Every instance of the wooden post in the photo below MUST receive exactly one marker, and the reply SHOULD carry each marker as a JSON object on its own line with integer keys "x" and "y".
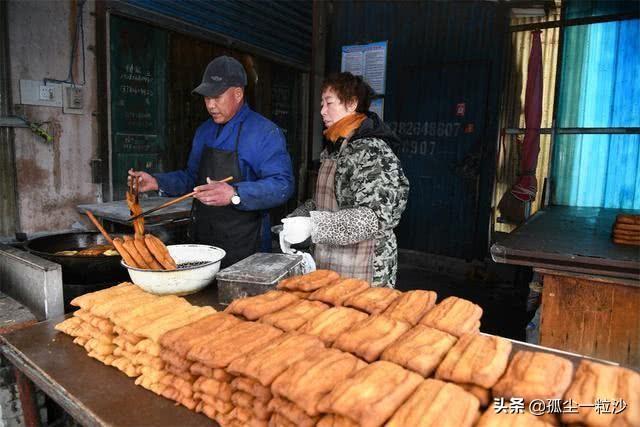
{"x": 27, "y": 395}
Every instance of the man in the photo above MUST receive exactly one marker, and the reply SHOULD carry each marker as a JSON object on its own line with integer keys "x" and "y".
{"x": 236, "y": 142}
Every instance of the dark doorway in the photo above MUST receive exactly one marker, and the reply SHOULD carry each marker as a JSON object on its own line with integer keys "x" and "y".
{"x": 174, "y": 63}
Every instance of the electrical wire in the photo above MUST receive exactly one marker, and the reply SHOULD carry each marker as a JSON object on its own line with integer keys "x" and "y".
{"x": 39, "y": 127}
{"x": 74, "y": 47}
{"x": 84, "y": 78}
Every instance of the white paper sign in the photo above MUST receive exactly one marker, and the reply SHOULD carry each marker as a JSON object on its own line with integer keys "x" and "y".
{"x": 353, "y": 60}
{"x": 368, "y": 61}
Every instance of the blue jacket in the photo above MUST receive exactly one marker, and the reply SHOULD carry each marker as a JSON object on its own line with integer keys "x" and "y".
{"x": 264, "y": 163}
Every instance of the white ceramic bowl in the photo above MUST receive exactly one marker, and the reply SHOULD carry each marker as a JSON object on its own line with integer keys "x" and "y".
{"x": 185, "y": 280}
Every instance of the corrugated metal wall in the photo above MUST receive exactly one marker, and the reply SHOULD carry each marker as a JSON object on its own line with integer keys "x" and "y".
{"x": 282, "y": 27}
{"x": 440, "y": 54}
{"x": 512, "y": 114}
{"x": 600, "y": 87}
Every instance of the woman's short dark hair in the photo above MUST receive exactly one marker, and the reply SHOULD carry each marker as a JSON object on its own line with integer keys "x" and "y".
{"x": 347, "y": 87}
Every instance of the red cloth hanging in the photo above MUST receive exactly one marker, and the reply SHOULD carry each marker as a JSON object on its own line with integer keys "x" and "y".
{"x": 526, "y": 187}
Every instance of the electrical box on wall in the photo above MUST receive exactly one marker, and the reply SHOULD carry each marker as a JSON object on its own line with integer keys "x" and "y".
{"x": 73, "y": 99}
{"x": 68, "y": 96}
{"x": 36, "y": 92}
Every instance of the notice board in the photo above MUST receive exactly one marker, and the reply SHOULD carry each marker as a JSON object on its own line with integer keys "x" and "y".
{"x": 138, "y": 70}
{"x": 368, "y": 61}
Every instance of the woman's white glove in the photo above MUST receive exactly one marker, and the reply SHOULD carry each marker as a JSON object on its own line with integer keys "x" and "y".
{"x": 308, "y": 264}
{"x": 296, "y": 229}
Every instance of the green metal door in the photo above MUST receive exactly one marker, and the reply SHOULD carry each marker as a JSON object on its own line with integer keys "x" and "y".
{"x": 138, "y": 65}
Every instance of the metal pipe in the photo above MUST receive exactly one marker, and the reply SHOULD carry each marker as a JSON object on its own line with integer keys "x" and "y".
{"x": 554, "y": 120}
{"x": 318, "y": 64}
{"x": 573, "y": 22}
{"x": 102, "y": 113}
{"x": 5, "y": 81}
{"x": 577, "y": 131}
{"x": 9, "y": 220}
{"x": 12, "y": 122}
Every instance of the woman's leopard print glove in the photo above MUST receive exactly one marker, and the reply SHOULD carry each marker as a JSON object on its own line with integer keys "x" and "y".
{"x": 343, "y": 227}
{"x": 304, "y": 209}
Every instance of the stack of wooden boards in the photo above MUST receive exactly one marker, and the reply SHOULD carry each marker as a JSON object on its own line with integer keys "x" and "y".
{"x": 626, "y": 230}
{"x": 330, "y": 351}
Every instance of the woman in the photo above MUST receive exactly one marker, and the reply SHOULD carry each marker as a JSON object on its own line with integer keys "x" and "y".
{"x": 361, "y": 190}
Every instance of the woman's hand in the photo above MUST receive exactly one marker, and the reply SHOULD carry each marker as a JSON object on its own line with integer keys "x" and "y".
{"x": 146, "y": 182}
{"x": 214, "y": 193}
{"x": 296, "y": 229}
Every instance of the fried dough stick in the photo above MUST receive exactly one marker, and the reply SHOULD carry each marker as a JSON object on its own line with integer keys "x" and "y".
{"x": 134, "y": 206}
{"x": 124, "y": 253}
{"x": 160, "y": 252}
{"x": 130, "y": 246}
{"x": 141, "y": 245}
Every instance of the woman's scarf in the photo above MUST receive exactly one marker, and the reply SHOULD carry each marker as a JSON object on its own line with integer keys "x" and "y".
{"x": 344, "y": 127}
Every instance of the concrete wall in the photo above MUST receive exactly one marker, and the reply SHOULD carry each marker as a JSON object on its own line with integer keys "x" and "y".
{"x": 52, "y": 177}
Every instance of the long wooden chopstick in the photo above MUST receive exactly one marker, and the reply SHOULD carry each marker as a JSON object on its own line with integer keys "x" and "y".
{"x": 173, "y": 202}
{"x": 99, "y": 226}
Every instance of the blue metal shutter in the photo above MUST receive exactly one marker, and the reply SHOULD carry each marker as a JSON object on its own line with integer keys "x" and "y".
{"x": 440, "y": 54}
{"x": 282, "y": 27}
{"x": 599, "y": 88}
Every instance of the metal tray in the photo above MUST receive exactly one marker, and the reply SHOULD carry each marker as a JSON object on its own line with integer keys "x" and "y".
{"x": 256, "y": 275}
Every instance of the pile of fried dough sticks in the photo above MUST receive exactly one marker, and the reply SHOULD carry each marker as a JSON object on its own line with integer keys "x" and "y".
{"x": 330, "y": 351}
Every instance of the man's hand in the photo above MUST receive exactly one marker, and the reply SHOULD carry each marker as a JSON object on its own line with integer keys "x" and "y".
{"x": 146, "y": 182}
{"x": 214, "y": 193}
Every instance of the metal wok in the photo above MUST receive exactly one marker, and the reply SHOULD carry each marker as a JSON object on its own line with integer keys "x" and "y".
{"x": 79, "y": 270}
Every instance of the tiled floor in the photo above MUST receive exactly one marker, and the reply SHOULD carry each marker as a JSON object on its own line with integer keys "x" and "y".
{"x": 503, "y": 303}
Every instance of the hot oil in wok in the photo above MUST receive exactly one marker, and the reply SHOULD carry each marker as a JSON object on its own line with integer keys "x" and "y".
{"x": 94, "y": 250}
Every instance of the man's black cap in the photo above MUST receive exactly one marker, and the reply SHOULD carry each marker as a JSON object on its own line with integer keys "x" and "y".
{"x": 221, "y": 74}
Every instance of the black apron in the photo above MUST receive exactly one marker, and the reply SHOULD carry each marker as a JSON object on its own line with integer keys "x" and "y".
{"x": 235, "y": 231}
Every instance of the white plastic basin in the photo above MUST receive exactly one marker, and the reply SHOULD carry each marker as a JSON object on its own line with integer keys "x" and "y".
{"x": 186, "y": 279}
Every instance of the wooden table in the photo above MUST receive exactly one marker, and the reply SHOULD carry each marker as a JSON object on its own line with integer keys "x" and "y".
{"x": 92, "y": 393}
{"x": 591, "y": 286}
{"x": 98, "y": 395}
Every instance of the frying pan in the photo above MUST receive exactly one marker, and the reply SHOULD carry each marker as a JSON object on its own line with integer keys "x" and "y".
{"x": 79, "y": 269}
